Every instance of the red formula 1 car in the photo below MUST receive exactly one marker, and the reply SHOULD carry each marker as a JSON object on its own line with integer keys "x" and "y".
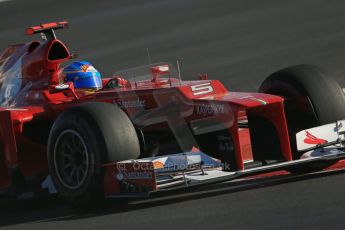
{"x": 147, "y": 130}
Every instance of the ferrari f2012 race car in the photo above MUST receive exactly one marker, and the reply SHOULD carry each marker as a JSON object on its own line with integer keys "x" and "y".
{"x": 156, "y": 132}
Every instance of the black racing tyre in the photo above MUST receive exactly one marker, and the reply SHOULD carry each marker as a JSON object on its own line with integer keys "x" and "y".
{"x": 81, "y": 140}
{"x": 312, "y": 98}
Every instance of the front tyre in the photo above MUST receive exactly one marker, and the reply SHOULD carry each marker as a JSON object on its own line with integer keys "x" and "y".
{"x": 311, "y": 98}
{"x": 81, "y": 140}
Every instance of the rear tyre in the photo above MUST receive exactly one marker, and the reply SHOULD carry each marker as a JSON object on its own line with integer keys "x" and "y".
{"x": 312, "y": 98}
{"x": 80, "y": 141}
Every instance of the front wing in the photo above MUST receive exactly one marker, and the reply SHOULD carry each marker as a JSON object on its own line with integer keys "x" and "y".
{"x": 140, "y": 178}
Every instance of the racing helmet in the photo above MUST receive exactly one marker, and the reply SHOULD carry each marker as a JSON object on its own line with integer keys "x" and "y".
{"x": 83, "y": 75}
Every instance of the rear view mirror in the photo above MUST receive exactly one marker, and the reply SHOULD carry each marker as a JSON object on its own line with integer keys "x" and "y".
{"x": 61, "y": 87}
{"x": 64, "y": 87}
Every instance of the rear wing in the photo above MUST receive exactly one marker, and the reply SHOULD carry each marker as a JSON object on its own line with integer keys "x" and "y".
{"x": 321, "y": 136}
{"x": 47, "y": 30}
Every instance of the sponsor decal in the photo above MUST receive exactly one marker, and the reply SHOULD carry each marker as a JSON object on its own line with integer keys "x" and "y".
{"x": 312, "y": 140}
{"x": 84, "y": 68}
{"x": 119, "y": 176}
{"x": 195, "y": 150}
{"x": 126, "y": 175}
{"x": 11, "y": 83}
{"x": 131, "y": 104}
{"x": 259, "y": 100}
{"x": 250, "y": 97}
{"x": 208, "y": 109}
{"x": 158, "y": 165}
{"x": 202, "y": 89}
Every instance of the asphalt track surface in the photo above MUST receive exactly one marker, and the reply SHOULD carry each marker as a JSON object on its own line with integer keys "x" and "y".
{"x": 238, "y": 42}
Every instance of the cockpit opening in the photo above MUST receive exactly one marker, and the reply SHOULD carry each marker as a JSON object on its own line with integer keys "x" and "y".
{"x": 57, "y": 52}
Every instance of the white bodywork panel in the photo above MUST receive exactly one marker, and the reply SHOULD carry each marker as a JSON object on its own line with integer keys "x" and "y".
{"x": 321, "y": 135}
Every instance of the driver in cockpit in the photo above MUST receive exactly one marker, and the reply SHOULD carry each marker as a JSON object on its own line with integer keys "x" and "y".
{"x": 84, "y": 76}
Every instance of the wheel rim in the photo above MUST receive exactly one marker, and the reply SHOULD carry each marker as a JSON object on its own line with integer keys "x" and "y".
{"x": 71, "y": 159}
